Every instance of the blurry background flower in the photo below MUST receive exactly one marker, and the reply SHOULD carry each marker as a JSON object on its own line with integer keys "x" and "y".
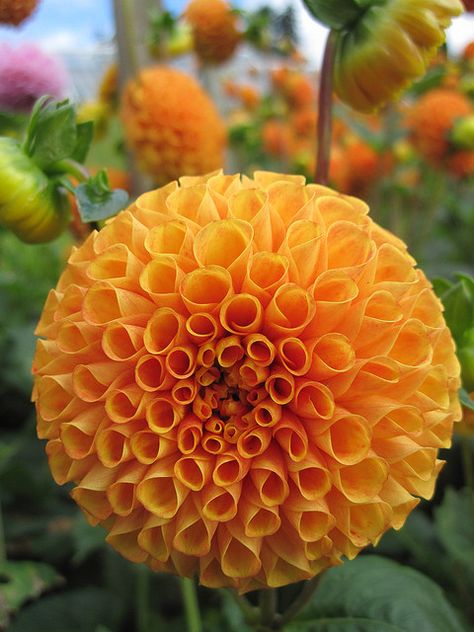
{"x": 214, "y": 28}
{"x": 171, "y": 125}
{"x": 246, "y": 379}
{"x": 27, "y": 73}
{"x": 14, "y": 12}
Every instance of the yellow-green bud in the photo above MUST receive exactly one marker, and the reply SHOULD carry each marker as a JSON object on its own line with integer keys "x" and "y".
{"x": 462, "y": 135}
{"x": 30, "y": 204}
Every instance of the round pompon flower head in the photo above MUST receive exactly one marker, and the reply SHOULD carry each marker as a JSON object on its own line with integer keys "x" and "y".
{"x": 214, "y": 28}
{"x": 14, "y": 12}
{"x": 172, "y": 125}
{"x": 246, "y": 379}
{"x": 27, "y": 73}
{"x": 382, "y": 46}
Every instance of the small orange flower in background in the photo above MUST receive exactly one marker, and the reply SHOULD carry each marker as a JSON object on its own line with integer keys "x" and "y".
{"x": 277, "y": 138}
{"x": 294, "y": 86}
{"x": 14, "y": 12}
{"x": 172, "y": 125}
{"x": 214, "y": 27}
{"x": 246, "y": 379}
{"x": 247, "y": 94}
{"x": 468, "y": 52}
{"x": 431, "y": 120}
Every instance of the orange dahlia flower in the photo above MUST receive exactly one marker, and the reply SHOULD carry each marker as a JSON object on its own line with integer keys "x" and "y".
{"x": 171, "y": 124}
{"x": 294, "y": 86}
{"x": 277, "y": 138}
{"x": 432, "y": 118}
{"x": 15, "y": 11}
{"x": 245, "y": 379}
{"x": 214, "y": 27}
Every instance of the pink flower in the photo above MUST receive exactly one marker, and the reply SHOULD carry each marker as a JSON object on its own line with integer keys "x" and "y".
{"x": 26, "y": 73}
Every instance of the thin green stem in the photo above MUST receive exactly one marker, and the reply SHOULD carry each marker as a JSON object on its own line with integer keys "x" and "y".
{"x": 251, "y": 613}
{"x": 191, "y": 605}
{"x": 325, "y": 102}
{"x": 72, "y": 168}
{"x": 3, "y": 546}
{"x": 130, "y": 34}
{"x": 143, "y": 598}
{"x": 268, "y": 607}
{"x": 301, "y": 601}
{"x": 468, "y": 462}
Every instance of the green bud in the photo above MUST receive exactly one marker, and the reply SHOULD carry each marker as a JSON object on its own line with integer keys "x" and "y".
{"x": 462, "y": 135}
{"x": 31, "y": 205}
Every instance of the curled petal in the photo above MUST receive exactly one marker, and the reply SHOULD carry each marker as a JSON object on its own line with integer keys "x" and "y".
{"x": 219, "y": 503}
{"x": 76, "y": 337}
{"x": 362, "y": 481}
{"x": 289, "y": 312}
{"x": 205, "y": 289}
{"x": 253, "y": 374}
{"x": 163, "y": 330}
{"x": 254, "y": 442}
{"x": 156, "y": 537}
{"x": 269, "y": 476}
{"x": 122, "y": 493}
{"x": 267, "y": 413}
{"x": 203, "y": 328}
{"x": 206, "y": 355}
{"x": 291, "y": 435}
{"x": 266, "y": 272}
{"x": 92, "y": 382}
{"x": 304, "y": 248}
{"x": 152, "y": 373}
{"x": 310, "y": 476}
{"x": 311, "y": 526}
{"x": 160, "y": 492}
{"x": 181, "y": 361}
{"x": 334, "y": 292}
{"x": 149, "y": 446}
{"x": 214, "y": 444}
{"x": 122, "y": 341}
{"x": 113, "y": 443}
{"x": 126, "y": 403}
{"x": 241, "y": 314}
{"x": 230, "y": 468}
{"x": 229, "y": 350}
{"x": 331, "y": 355}
{"x": 104, "y": 303}
{"x": 347, "y": 440}
{"x": 240, "y": 555}
{"x": 193, "y": 534}
{"x": 293, "y": 355}
{"x": 184, "y": 391}
{"x": 162, "y": 414}
{"x": 259, "y": 520}
{"x": 226, "y": 243}
{"x": 195, "y": 471}
{"x": 118, "y": 265}
{"x": 123, "y": 536}
{"x": 312, "y": 400}
{"x": 173, "y": 237}
{"x": 259, "y": 349}
{"x": 280, "y": 386}
{"x": 78, "y": 435}
{"x": 161, "y": 279}
{"x": 189, "y": 434}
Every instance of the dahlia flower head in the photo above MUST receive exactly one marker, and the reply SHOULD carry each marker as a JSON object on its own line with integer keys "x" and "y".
{"x": 172, "y": 125}
{"x": 27, "y": 73}
{"x": 14, "y": 12}
{"x": 431, "y": 121}
{"x": 214, "y": 28}
{"x": 246, "y": 379}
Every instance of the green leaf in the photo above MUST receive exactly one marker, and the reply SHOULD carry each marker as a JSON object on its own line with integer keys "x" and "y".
{"x": 81, "y": 610}
{"x": 96, "y": 201}
{"x": 87, "y": 539}
{"x": 334, "y": 13}
{"x": 21, "y": 581}
{"x": 85, "y": 133}
{"x": 374, "y": 594}
{"x": 454, "y": 519}
{"x": 52, "y": 135}
{"x": 465, "y": 400}
{"x": 458, "y": 304}
{"x": 441, "y": 286}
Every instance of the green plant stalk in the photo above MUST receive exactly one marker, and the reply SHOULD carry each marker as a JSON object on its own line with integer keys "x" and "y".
{"x": 142, "y": 596}
{"x": 301, "y": 601}
{"x": 3, "y": 546}
{"x": 467, "y": 463}
{"x": 251, "y": 613}
{"x": 325, "y": 103}
{"x": 191, "y": 605}
{"x": 129, "y": 26}
{"x": 268, "y": 607}
{"x": 72, "y": 168}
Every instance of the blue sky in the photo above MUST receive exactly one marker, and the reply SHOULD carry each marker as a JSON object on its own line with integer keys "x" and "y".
{"x": 67, "y": 25}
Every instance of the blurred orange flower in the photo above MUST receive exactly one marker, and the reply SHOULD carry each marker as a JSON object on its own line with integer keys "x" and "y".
{"x": 215, "y": 32}
{"x": 295, "y": 87}
{"x": 245, "y": 93}
{"x": 277, "y": 138}
{"x": 15, "y": 11}
{"x": 171, "y": 124}
{"x": 468, "y": 52}
{"x": 245, "y": 379}
{"x": 430, "y": 121}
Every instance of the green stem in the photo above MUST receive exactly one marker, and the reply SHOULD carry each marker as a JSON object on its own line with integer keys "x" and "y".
{"x": 468, "y": 462}
{"x": 251, "y": 613}
{"x": 3, "y": 546}
{"x": 325, "y": 103}
{"x": 143, "y": 598}
{"x": 130, "y": 33}
{"x": 301, "y": 601}
{"x": 268, "y": 607}
{"x": 72, "y": 168}
{"x": 191, "y": 605}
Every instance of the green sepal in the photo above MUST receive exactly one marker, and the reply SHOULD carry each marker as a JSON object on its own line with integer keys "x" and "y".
{"x": 53, "y": 134}
{"x": 339, "y": 14}
{"x": 458, "y": 303}
{"x": 97, "y": 201}
{"x": 85, "y": 133}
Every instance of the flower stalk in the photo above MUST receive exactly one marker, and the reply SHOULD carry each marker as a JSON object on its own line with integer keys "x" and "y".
{"x": 268, "y": 608}
{"x": 143, "y": 598}
{"x": 325, "y": 103}
{"x": 191, "y": 605}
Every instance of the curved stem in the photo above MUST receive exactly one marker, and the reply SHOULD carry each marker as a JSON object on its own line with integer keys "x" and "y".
{"x": 301, "y": 601}
{"x": 251, "y": 613}
{"x": 191, "y": 605}
{"x": 268, "y": 606}
{"x": 72, "y": 168}
{"x": 325, "y": 111}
